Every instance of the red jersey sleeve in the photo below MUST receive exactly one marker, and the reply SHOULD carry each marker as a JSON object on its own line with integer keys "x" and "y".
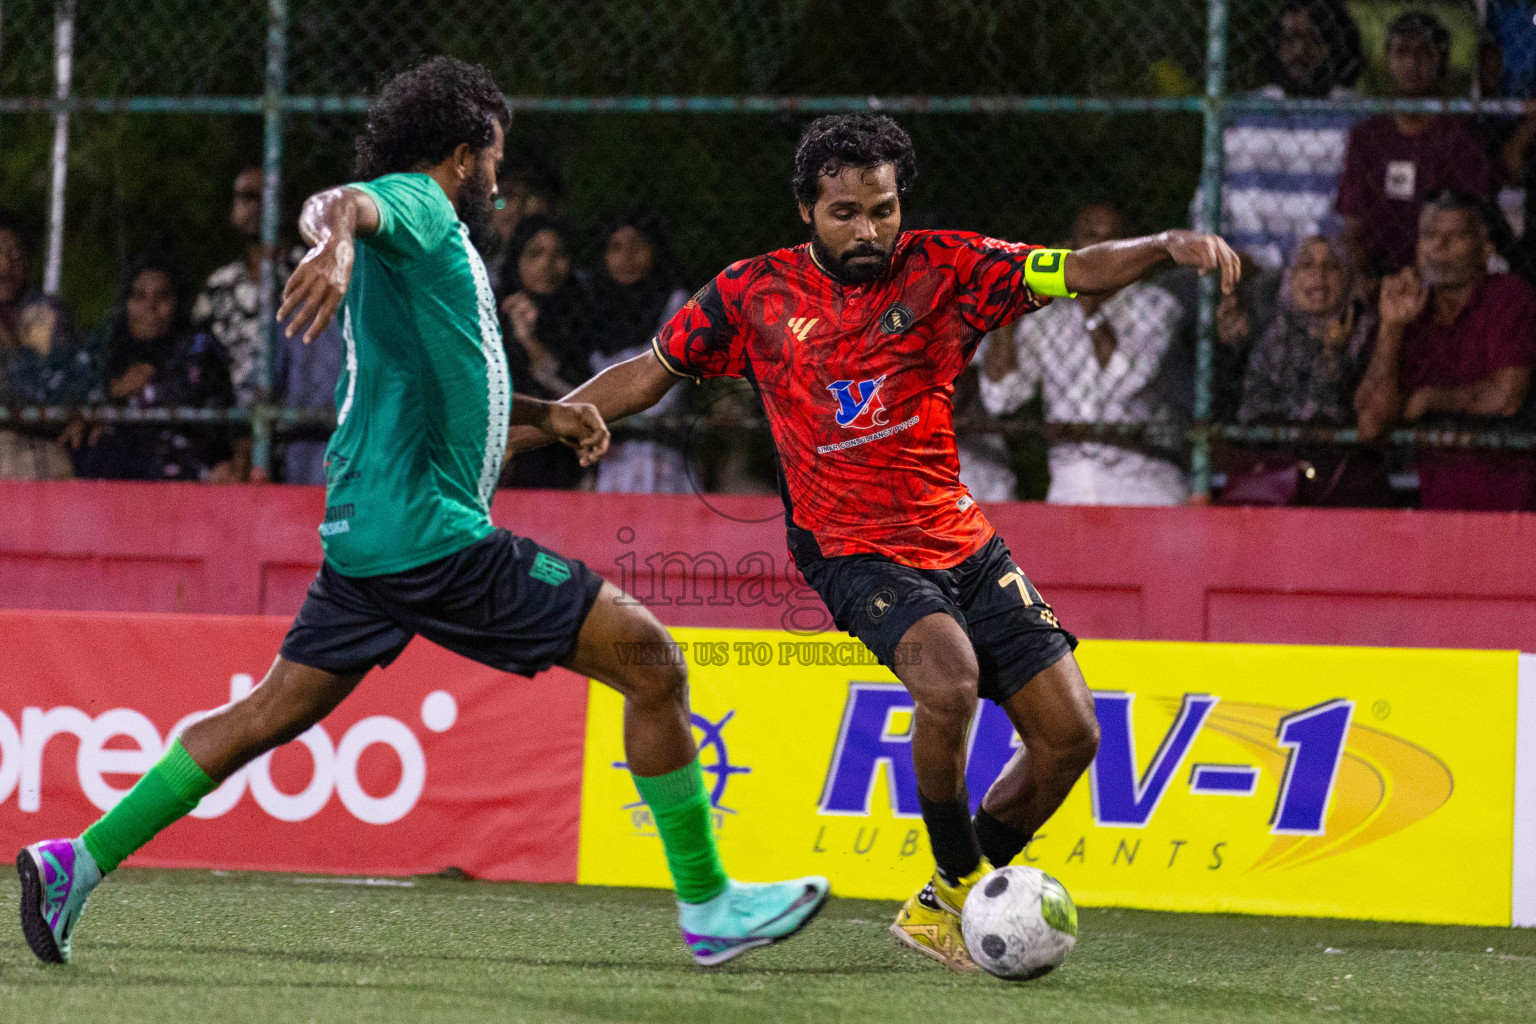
{"x": 990, "y": 273}
{"x": 703, "y": 339}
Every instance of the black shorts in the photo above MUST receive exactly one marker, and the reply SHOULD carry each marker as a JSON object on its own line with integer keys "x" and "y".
{"x": 503, "y": 601}
{"x": 1013, "y": 631}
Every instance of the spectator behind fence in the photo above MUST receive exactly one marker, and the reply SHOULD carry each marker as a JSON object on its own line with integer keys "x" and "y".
{"x": 305, "y": 378}
{"x": 1395, "y": 160}
{"x": 229, "y": 307}
{"x": 153, "y": 360}
{"x": 41, "y": 363}
{"x": 635, "y": 291}
{"x": 1455, "y": 348}
{"x": 525, "y": 187}
{"x": 547, "y": 332}
{"x": 1282, "y": 168}
{"x": 1304, "y": 369}
{"x": 1511, "y": 26}
{"x": 1095, "y": 359}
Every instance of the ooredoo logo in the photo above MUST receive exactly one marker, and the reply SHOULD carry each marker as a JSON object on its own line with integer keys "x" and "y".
{"x": 335, "y": 770}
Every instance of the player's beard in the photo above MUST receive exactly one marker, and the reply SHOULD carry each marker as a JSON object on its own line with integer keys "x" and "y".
{"x": 853, "y": 274}
{"x": 475, "y": 210}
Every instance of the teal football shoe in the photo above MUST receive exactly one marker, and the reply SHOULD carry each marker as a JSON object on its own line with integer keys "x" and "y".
{"x": 56, "y": 877}
{"x": 748, "y": 915}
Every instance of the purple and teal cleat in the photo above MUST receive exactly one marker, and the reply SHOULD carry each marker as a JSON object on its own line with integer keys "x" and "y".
{"x": 56, "y": 877}
{"x": 748, "y": 915}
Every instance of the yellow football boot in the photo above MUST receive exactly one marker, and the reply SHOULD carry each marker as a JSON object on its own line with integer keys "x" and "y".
{"x": 929, "y": 922}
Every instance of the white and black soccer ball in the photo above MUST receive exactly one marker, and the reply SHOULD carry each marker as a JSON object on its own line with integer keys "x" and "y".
{"x": 1019, "y": 923}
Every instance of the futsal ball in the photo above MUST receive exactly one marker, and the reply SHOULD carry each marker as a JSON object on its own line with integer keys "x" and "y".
{"x": 1019, "y": 923}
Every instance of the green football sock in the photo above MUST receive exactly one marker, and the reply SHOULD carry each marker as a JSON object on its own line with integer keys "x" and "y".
{"x": 167, "y": 792}
{"x": 680, "y": 806}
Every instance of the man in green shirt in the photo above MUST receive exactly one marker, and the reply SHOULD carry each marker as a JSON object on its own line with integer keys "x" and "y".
{"x": 423, "y": 409}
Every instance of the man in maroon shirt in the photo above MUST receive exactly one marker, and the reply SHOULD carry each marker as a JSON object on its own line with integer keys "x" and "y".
{"x": 1455, "y": 344}
{"x": 853, "y": 342}
{"x": 1394, "y": 160}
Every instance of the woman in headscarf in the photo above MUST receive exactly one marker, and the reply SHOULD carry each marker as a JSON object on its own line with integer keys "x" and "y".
{"x": 153, "y": 359}
{"x": 635, "y": 291}
{"x": 1303, "y": 370}
{"x": 548, "y": 337}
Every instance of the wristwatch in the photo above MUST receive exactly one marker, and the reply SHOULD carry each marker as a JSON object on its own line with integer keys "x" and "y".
{"x": 1094, "y": 322}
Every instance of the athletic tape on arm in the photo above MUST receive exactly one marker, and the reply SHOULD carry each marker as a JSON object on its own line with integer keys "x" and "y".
{"x": 1046, "y": 273}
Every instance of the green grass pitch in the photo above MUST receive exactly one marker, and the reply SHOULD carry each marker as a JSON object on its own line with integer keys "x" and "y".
{"x": 198, "y": 946}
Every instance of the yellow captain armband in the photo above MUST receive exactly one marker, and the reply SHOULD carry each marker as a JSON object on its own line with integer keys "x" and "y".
{"x": 1046, "y": 273}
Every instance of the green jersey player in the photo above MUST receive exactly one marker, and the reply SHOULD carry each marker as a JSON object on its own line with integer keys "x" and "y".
{"x": 423, "y": 409}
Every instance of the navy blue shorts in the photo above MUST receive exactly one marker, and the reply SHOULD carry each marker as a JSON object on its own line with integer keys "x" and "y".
{"x": 503, "y": 601}
{"x": 1013, "y": 631}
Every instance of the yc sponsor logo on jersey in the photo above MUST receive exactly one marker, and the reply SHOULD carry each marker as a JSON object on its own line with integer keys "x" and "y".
{"x": 858, "y": 403}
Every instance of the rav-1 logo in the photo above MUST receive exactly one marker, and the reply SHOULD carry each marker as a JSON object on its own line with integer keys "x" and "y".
{"x": 876, "y": 730}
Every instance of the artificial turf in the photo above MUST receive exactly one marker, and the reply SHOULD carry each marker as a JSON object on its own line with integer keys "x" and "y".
{"x": 200, "y": 946}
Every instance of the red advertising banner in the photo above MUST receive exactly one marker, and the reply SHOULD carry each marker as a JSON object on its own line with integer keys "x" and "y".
{"x": 435, "y": 762}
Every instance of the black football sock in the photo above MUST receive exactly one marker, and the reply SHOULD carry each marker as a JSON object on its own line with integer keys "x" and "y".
{"x": 1000, "y": 841}
{"x": 951, "y": 834}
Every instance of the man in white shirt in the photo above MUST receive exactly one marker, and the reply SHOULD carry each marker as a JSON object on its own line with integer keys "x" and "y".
{"x": 1095, "y": 358}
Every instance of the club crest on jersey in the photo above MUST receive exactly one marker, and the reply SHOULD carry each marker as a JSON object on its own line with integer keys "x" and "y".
{"x": 858, "y": 403}
{"x": 897, "y": 319}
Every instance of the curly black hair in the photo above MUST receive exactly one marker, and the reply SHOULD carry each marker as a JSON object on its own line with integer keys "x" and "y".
{"x": 421, "y": 115}
{"x": 858, "y": 140}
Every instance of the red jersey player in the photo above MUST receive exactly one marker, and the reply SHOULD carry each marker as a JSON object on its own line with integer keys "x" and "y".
{"x": 853, "y": 342}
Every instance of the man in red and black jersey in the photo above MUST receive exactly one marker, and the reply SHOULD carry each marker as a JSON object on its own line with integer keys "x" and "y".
{"x": 853, "y": 342}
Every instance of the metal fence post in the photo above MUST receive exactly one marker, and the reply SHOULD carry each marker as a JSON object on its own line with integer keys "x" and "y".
{"x": 1209, "y": 220}
{"x": 63, "y": 74}
{"x": 271, "y": 221}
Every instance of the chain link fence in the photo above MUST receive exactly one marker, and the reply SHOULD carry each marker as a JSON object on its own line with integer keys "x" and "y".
{"x": 122, "y": 125}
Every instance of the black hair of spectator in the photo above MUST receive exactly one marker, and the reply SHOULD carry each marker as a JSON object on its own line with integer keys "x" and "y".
{"x": 122, "y": 349}
{"x": 527, "y": 169}
{"x": 165, "y": 263}
{"x": 1483, "y": 212}
{"x": 526, "y": 230}
{"x": 422, "y": 115}
{"x": 1426, "y": 23}
{"x": 851, "y": 140}
{"x": 1340, "y": 35}
{"x": 646, "y": 221}
{"x": 12, "y": 221}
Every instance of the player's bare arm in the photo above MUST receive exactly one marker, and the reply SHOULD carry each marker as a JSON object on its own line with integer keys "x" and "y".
{"x": 330, "y": 223}
{"x": 621, "y": 390}
{"x": 1110, "y": 266}
{"x": 576, "y": 424}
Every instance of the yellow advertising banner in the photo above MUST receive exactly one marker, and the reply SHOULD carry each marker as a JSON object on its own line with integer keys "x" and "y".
{"x": 1328, "y": 781}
